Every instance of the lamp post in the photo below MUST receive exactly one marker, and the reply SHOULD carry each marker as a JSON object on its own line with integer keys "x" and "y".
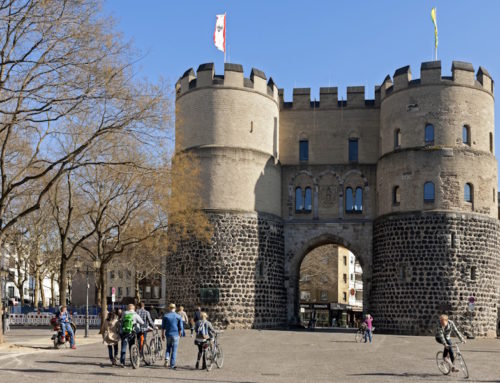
{"x": 87, "y": 305}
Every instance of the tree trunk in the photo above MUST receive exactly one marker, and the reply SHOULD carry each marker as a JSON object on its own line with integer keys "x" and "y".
{"x": 42, "y": 290}
{"x": 137, "y": 291}
{"x": 1, "y": 312}
{"x": 104, "y": 301}
{"x": 52, "y": 290}
{"x": 37, "y": 289}
{"x": 63, "y": 281}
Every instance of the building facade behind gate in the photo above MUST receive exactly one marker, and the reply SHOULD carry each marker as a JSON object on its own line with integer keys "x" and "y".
{"x": 406, "y": 181}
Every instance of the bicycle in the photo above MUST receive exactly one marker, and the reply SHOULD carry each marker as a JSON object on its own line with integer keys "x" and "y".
{"x": 139, "y": 350}
{"x": 445, "y": 367}
{"x": 213, "y": 352}
{"x": 156, "y": 346}
{"x": 360, "y": 334}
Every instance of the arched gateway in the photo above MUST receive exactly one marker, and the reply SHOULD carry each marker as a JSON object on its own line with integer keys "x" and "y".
{"x": 280, "y": 178}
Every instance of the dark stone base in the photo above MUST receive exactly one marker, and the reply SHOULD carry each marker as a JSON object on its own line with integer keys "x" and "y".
{"x": 426, "y": 264}
{"x": 245, "y": 261}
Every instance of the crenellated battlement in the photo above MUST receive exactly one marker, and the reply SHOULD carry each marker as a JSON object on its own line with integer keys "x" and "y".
{"x": 430, "y": 74}
{"x": 233, "y": 78}
{"x": 329, "y": 99}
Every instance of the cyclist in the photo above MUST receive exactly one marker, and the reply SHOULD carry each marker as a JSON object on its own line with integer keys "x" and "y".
{"x": 204, "y": 333}
{"x": 146, "y": 317}
{"x": 129, "y": 323}
{"x": 443, "y": 336}
{"x": 65, "y": 321}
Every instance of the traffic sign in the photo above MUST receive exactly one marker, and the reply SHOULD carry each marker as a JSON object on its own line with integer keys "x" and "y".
{"x": 113, "y": 297}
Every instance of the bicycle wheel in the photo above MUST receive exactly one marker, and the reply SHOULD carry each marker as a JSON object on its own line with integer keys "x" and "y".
{"x": 154, "y": 351}
{"x": 135, "y": 356}
{"x": 359, "y": 336}
{"x": 147, "y": 355}
{"x": 219, "y": 357}
{"x": 209, "y": 358}
{"x": 443, "y": 366}
{"x": 460, "y": 363}
{"x": 159, "y": 347}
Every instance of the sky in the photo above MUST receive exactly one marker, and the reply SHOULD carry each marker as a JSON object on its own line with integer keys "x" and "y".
{"x": 311, "y": 44}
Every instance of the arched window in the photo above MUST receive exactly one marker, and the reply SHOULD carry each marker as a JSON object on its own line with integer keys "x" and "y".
{"x": 466, "y": 135}
{"x": 308, "y": 200}
{"x": 299, "y": 200}
{"x": 468, "y": 192}
{"x": 491, "y": 142}
{"x": 429, "y": 134}
{"x": 429, "y": 192}
{"x": 396, "y": 197}
{"x": 358, "y": 200}
{"x": 349, "y": 200}
{"x": 397, "y": 138}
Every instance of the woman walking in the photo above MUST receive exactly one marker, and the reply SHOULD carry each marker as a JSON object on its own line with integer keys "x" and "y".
{"x": 184, "y": 318}
{"x": 111, "y": 336}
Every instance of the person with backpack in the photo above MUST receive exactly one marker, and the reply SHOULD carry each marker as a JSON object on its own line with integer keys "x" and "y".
{"x": 129, "y": 323}
{"x": 172, "y": 329}
{"x": 204, "y": 333}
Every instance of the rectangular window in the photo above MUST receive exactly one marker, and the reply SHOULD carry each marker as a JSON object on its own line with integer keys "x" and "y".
{"x": 352, "y": 277}
{"x": 344, "y": 296}
{"x": 120, "y": 274}
{"x": 304, "y": 150}
{"x": 345, "y": 260}
{"x": 353, "y": 150}
{"x": 119, "y": 291}
{"x": 11, "y": 291}
{"x": 110, "y": 291}
{"x": 345, "y": 278}
{"x": 324, "y": 295}
{"x": 156, "y": 291}
{"x": 127, "y": 289}
{"x": 112, "y": 275}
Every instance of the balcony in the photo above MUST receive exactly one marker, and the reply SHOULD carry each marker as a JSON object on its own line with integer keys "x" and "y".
{"x": 358, "y": 285}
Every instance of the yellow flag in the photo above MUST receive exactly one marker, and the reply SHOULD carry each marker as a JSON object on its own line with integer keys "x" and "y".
{"x": 433, "y": 17}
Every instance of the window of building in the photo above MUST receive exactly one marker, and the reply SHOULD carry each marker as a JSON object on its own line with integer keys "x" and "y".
{"x": 324, "y": 278}
{"x": 127, "y": 291}
{"x": 397, "y": 138}
{"x": 396, "y": 196}
{"x": 305, "y": 295}
{"x": 129, "y": 274}
{"x": 11, "y": 291}
{"x": 156, "y": 291}
{"x": 324, "y": 295}
{"x": 358, "y": 200}
{"x": 491, "y": 142}
{"x": 429, "y": 134}
{"x": 344, "y": 296}
{"x": 353, "y": 150}
{"x": 473, "y": 272}
{"x": 299, "y": 200}
{"x": 304, "y": 150}
{"x": 308, "y": 200}
{"x": 110, "y": 291}
{"x": 344, "y": 277}
{"x": 352, "y": 277}
{"x": 468, "y": 192}
{"x": 429, "y": 192}
{"x": 147, "y": 292}
{"x": 120, "y": 274}
{"x": 349, "y": 200}
{"x": 120, "y": 290}
{"x": 112, "y": 275}
{"x": 466, "y": 135}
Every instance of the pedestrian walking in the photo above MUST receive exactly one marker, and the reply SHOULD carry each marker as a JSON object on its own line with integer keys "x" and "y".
{"x": 196, "y": 318}
{"x": 111, "y": 336}
{"x": 185, "y": 321}
{"x": 369, "y": 327}
{"x": 204, "y": 333}
{"x": 146, "y": 317}
{"x": 129, "y": 323}
{"x": 172, "y": 329}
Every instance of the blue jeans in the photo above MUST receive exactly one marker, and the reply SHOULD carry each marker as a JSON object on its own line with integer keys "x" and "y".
{"x": 171, "y": 352}
{"x": 449, "y": 351}
{"x": 126, "y": 339}
{"x": 66, "y": 326}
{"x": 368, "y": 334}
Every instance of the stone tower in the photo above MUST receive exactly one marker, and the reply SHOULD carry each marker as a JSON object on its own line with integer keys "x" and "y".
{"x": 230, "y": 124}
{"x": 436, "y": 238}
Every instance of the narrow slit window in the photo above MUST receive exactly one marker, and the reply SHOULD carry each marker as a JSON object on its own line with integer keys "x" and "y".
{"x": 397, "y": 139}
{"x": 349, "y": 200}
{"x": 308, "y": 200}
{"x": 353, "y": 150}
{"x": 466, "y": 135}
{"x": 358, "y": 200}
{"x": 299, "y": 200}
{"x": 304, "y": 150}
{"x": 396, "y": 196}
{"x": 468, "y": 190}
{"x": 429, "y": 192}
{"x": 429, "y": 134}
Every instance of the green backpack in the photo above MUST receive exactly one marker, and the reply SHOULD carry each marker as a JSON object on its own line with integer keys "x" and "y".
{"x": 128, "y": 323}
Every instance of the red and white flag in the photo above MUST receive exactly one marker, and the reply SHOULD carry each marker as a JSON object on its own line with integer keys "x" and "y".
{"x": 220, "y": 33}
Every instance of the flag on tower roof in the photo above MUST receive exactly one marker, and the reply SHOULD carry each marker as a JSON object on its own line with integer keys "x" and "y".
{"x": 220, "y": 33}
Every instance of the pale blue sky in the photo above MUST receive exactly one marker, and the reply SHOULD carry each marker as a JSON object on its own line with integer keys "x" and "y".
{"x": 312, "y": 43}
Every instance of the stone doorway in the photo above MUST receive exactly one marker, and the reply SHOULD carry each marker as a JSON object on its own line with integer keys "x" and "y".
{"x": 330, "y": 288}
{"x": 302, "y": 239}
